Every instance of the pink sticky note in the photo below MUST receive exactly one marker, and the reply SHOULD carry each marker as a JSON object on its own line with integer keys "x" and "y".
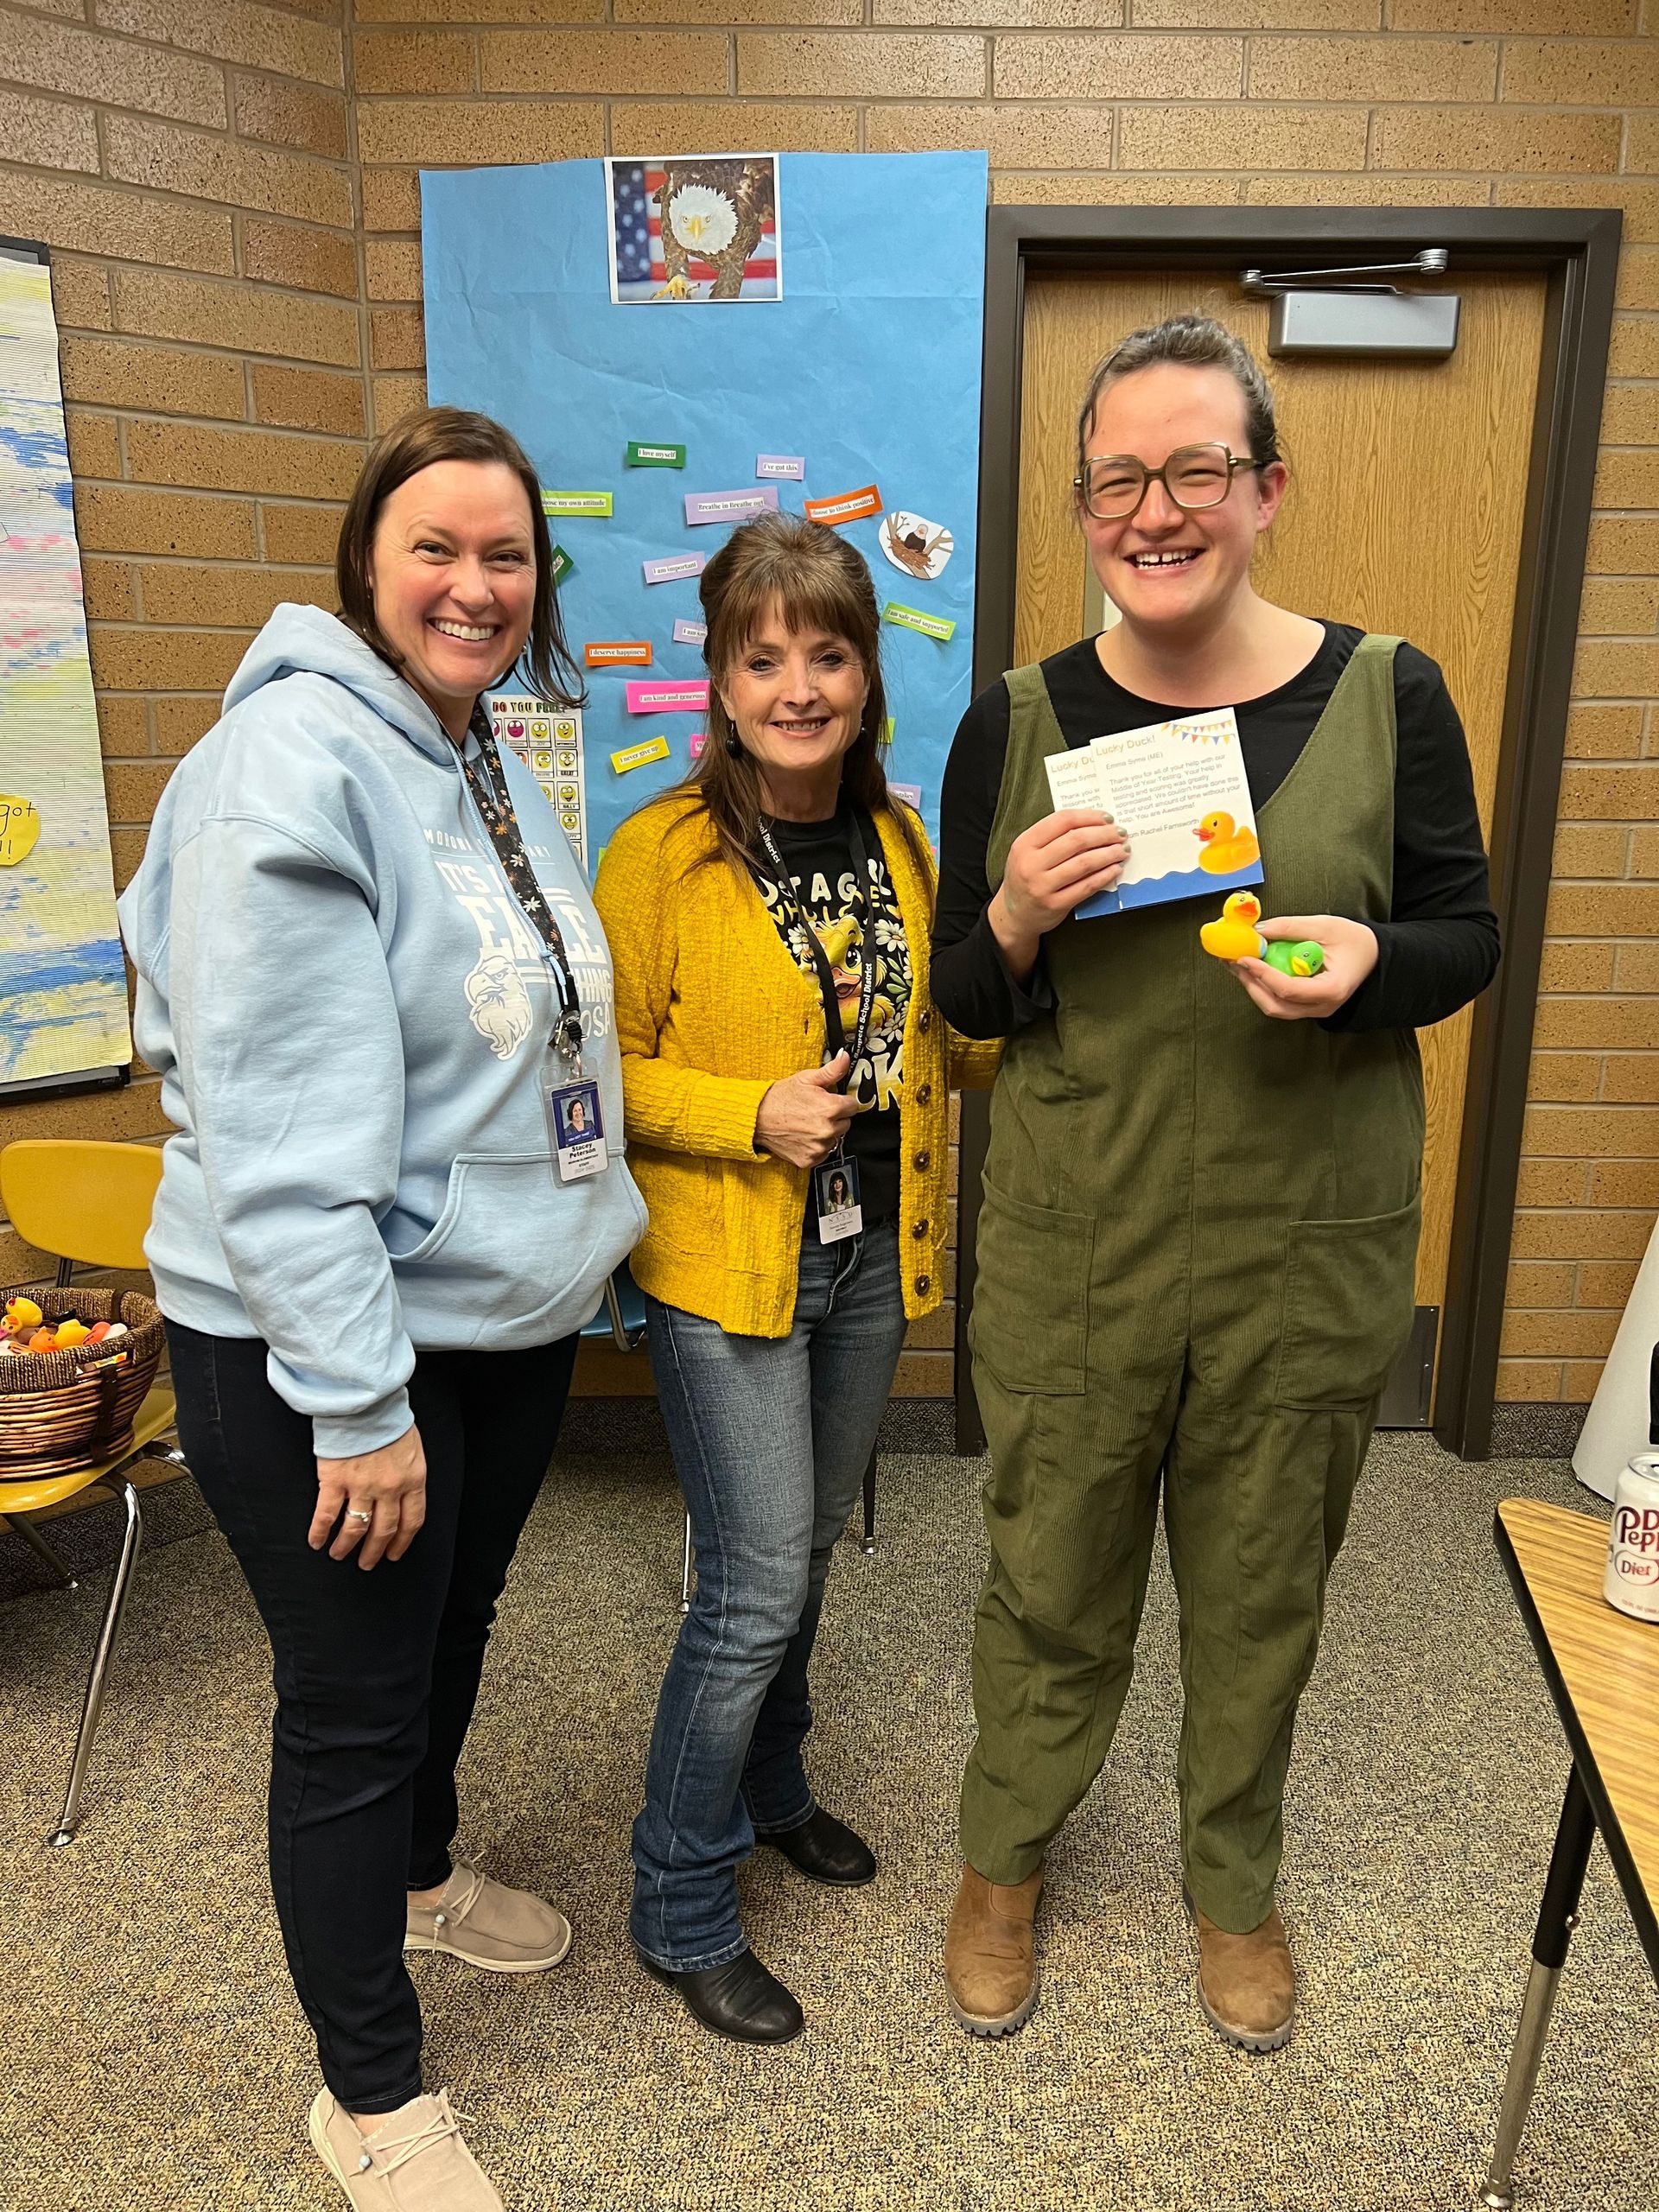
{"x": 699, "y": 740}
{"x": 667, "y": 698}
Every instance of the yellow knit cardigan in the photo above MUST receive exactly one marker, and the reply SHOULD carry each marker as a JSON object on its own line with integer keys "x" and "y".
{"x": 710, "y": 1012}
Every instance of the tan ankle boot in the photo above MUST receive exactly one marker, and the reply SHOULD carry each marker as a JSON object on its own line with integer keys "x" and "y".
{"x": 1247, "y": 1984}
{"x": 990, "y": 1964}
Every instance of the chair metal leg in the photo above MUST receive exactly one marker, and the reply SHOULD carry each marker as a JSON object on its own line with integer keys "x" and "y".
{"x": 1557, "y": 1918}
{"x": 686, "y": 1571}
{"x": 21, "y": 1525}
{"x": 93, "y": 1707}
{"x": 869, "y": 1506}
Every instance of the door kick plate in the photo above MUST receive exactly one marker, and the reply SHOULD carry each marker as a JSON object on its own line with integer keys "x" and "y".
{"x": 1409, "y": 1391}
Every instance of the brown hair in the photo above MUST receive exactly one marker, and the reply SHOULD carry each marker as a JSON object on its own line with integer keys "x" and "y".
{"x": 452, "y": 434}
{"x": 1190, "y": 342}
{"x": 817, "y": 581}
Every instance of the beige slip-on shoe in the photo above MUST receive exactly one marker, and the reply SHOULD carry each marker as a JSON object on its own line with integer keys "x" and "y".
{"x": 1247, "y": 1984}
{"x": 414, "y": 2161}
{"x": 508, "y": 1931}
{"x": 990, "y": 1953}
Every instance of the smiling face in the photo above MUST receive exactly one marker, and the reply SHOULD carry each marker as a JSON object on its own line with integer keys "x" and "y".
{"x": 453, "y": 573}
{"x": 1167, "y": 569}
{"x": 796, "y": 699}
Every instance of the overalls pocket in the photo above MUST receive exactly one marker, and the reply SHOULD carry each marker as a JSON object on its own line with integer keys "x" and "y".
{"x": 1349, "y": 1303}
{"x": 1030, "y": 1322}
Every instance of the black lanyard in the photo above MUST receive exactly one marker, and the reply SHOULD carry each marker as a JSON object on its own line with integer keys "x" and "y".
{"x": 494, "y": 803}
{"x": 835, "y": 1028}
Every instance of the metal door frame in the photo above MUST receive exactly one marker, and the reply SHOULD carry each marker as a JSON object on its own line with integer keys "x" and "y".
{"x": 1576, "y": 249}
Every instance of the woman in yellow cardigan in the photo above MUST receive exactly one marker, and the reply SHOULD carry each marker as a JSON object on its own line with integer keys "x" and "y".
{"x": 787, "y": 1080}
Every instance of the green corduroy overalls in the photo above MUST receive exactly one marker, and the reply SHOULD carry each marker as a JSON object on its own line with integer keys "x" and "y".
{"x": 1196, "y": 1257}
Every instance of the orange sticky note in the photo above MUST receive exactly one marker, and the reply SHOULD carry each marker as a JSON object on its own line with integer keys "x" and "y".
{"x": 846, "y": 506}
{"x": 619, "y": 652}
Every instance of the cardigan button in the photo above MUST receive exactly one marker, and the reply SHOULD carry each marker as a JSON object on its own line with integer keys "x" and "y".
{"x": 924, "y": 1161}
{"x": 925, "y": 1019}
{"x": 919, "y": 1230}
{"x": 924, "y": 1092}
{"x": 924, "y": 1284}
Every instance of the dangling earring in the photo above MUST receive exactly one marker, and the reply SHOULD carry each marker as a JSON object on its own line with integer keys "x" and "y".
{"x": 734, "y": 745}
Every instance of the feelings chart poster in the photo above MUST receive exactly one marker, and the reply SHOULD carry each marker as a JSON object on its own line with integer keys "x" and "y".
{"x": 682, "y": 342}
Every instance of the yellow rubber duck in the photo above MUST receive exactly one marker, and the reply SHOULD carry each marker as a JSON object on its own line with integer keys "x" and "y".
{"x": 1233, "y": 935}
{"x": 1226, "y": 847}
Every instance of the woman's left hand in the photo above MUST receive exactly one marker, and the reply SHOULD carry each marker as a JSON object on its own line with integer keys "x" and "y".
{"x": 1349, "y": 955}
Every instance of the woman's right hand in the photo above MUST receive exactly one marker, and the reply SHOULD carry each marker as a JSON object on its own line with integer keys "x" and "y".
{"x": 389, "y": 1486}
{"x": 1052, "y": 867}
{"x": 804, "y": 1117}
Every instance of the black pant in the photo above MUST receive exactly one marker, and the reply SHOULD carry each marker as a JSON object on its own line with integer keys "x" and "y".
{"x": 376, "y": 1674}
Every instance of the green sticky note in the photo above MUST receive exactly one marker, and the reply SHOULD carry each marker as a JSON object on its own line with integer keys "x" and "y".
{"x": 561, "y": 564}
{"x": 575, "y": 503}
{"x": 911, "y": 618}
{"x": 654, "y": 457}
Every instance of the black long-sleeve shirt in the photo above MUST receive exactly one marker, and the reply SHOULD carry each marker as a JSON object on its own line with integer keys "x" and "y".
{"x": 1438, "y": 949}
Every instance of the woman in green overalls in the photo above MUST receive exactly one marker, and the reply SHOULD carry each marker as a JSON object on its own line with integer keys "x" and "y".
{"x": 1200, "y": 1218}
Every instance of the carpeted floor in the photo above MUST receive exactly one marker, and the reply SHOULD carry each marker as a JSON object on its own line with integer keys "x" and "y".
{"x": 154, "y": 2056}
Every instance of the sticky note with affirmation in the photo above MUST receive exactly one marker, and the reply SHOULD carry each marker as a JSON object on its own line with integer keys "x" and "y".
{"x": 911, "y": 618}
{"x": 846, "y": 506}
{"x": 699, "y": 741}
{"x": 654, "y": 457}
{"x": 575, "y": 503}
{"x": 636, "y": 756}
{"x": 689, "y": 633}
{"x": 559, "y": 564}
{"x": 619, "y": 653}
{"x": 791, "y": 464}
{"x": 20, "y": 826}
{"x": 670, "y": 571}
{"x": 730, "y": 507}
{"x": 911, "y": 794}
{"x": 668, "y": 698}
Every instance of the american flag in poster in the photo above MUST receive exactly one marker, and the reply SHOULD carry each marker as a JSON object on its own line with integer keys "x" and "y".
{"x": 709, "y": 197}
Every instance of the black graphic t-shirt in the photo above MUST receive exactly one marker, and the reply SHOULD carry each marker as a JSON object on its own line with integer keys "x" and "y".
{"x": 820, "y": 860}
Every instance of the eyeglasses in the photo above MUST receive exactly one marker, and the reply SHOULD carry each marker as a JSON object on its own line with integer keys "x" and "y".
{"x": 1113, "y": 484}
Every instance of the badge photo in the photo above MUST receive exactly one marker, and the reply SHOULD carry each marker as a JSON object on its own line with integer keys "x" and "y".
{"x": 836, "y": 1200}
{"x": 578, "y": 1130}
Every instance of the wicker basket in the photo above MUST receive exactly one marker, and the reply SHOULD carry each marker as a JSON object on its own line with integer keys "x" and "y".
{"x": 60, "y": 1411}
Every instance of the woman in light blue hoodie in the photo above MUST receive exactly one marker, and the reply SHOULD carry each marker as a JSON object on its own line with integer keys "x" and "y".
{"x": 374, "y": 986}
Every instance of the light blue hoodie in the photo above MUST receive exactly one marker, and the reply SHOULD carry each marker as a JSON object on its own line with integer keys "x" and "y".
{"x": 350, "y": 1017}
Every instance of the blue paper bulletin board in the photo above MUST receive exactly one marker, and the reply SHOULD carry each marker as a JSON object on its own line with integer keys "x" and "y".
{"x": 868, "y": 367}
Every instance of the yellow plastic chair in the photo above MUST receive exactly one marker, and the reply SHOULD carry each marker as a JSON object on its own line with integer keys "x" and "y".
{"x": 87, "y": 1203}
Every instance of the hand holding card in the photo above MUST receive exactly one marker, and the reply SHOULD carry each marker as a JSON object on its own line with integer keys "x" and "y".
{"x": 1068, "y": 856}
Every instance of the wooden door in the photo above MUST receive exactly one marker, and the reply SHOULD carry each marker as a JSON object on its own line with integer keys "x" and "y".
{"x": 1404, "y": 515}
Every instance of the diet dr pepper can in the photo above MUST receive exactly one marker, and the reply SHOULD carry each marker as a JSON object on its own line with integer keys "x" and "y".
{"x": 1632, "y": 1582}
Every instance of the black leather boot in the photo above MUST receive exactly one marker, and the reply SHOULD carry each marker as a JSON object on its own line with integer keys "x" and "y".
{"x": 740, "y": 2000}
{"x": 826, "y": 1850}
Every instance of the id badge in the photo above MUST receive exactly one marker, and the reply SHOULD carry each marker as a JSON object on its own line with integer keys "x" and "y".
{"x": 577, "y": 1130}
{"x": 835, "y": 1199}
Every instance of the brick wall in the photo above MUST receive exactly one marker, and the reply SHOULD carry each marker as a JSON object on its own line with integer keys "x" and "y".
{"x": 232, "y": 330}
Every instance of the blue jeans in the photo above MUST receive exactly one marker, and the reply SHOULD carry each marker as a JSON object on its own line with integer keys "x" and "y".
{"x": 771, "y": 1438}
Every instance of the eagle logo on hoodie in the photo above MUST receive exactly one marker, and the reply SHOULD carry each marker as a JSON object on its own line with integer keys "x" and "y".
{"x": 498, "y": 1003}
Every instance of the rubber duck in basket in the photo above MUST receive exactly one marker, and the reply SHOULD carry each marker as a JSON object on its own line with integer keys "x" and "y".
{"x": 23, "y": 1328}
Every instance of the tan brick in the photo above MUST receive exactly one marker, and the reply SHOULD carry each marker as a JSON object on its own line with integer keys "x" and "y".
{"x": 1480, "y": 138}
{"x": 1609, "y": 910}
{"x": 106, "y": 589}
{"x": 1580, "y": 852}
{"x": 1584, "y": 1234}
{"x": 152, "y": 305}
{"x": 133, "y": 790}
{"x": 289, "y": 115}
{"x": 478, "y": 11}
{"x": 1245, "y": 137}
{"x": 397, "y": 338}
{"x": 1013, "y": 15}
{"x": 1132, "y": 68}
{"x": 606, "y": 62}
{"x": 164, "y": 660}
{"x": 1625, "y": 1183}
{"x": 1577, "y": 968}
{"x": 1619, "y": 610}
{"x": 1362, "y": 191}
{"x": 395, "y": 397}
{"x": 739, "y": 12}
{"x": 1580, "y": 1335}
{"x": 170, "y": 159}
{"x": 1094, "y": 187}
{"x": 457, "y": 131}
{"x": 1631, "y": 1078}
{"x": 1604, "y": 733}
{"x": 1582, "y": 71}
{"x": 122, "y": 731}
{"x": 392, "y": 198}
{"x": 1627, "y": 478}
{"x": 305, "y": 259}
{"x": 392, "y": 267}
{"x": 1596, "y": 1024}
{"x": 1636, "y": 967}
{"x": 234, "y": 30}
{"x": 1606, "y": 1282}
{"x": 1258, "y": 14}
{"x": 1623, "y": 545}
{"x": 211, "y": 595}
{"x": 1551, "y": 1183}
{"x": 842, "y": 63}
{"x": 58, "y": 58}
{"x": 241, "y": 460}
{"x": 119, "y": 226}
{"x": 1540, "y": 1282}
{"x": 157, "y": 379}
{"x": 1392, "y": 68}
{"x": 1629, "y": 412}
{"x": 1578, "y": 1380}
{"x": 1639, "y": 201}
{"x": 1604, "y": 671}
{"x": 1642, "y": 144}
{"x": 1511, "y": 16}
{"x": 1599, "y": 1132}
{"x": 80, "y": 294}
{"x": 94, "y": 444}
{"x": 299, "y": 534}
{"x": 47, "y": 134}
{"x": 309, "y": 399}
{"x": 412, "y": 61}
{"x": 1563, "y": 1077}
{"x": 1645, "y": 857}
{"x": 1017, "y": 137}
{"x": 1638, "y": 272}
{"x": 1634, "y": 349}
{"x": 112, "y": 519}
{"x": 1528, "y": 1381}
{"x": 181, "y": 722}
{"x": 703, "y": 127}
